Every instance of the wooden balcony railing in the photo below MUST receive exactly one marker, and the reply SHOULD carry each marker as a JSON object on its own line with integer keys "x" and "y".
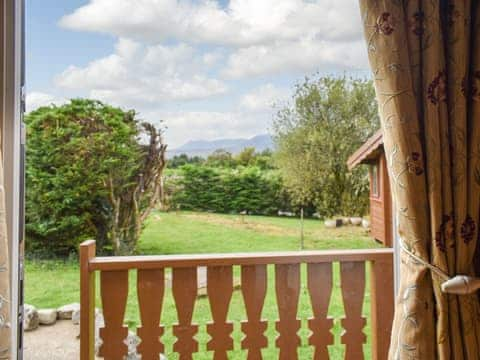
{"x": 151, "y": 273}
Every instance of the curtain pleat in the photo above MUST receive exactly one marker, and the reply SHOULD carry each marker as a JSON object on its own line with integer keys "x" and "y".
{"x": 425, "y": 57}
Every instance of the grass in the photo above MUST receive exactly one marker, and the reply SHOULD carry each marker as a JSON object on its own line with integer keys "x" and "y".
{"x": 54, "y": 283}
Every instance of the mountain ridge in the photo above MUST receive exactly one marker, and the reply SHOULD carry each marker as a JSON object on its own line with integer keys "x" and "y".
{"x": 204, "y": 148}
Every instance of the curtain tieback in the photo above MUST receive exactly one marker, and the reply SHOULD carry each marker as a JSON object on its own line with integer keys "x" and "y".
{"x": 457, "y": 285}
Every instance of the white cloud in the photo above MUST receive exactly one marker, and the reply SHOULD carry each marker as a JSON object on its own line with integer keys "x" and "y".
{"x": 209, "y": 125}
{"x": 264, "y": 98}
{"x": 138, "y": 74}
{"x": 171, "y": 52}
{"x": 264, "y": 36}
{"x": 298, "y": 57}
{"x": 36, "y": 100}
{"x": 240, "y": 23}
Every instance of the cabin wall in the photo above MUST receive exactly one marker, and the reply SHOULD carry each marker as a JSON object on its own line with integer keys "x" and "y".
{"x": 381, "y": 204}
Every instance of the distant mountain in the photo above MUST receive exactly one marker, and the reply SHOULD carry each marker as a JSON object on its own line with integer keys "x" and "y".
{"x": 204, "y": 148}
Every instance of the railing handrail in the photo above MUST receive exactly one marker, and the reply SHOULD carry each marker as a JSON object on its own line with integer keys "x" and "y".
{"x": 113, "y": 263}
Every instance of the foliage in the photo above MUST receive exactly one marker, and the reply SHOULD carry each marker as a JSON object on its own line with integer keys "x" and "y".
{"x": 225, "y": 190}
{"x": 89, "y": 176}
{"x": 330, "y": 118}
{"x": 221, "y": 158}
{"x": 246, "y": 157}
{"x": 183, "y": 159}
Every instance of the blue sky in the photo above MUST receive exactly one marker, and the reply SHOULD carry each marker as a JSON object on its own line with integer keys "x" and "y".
{"x": 210, "y": 69}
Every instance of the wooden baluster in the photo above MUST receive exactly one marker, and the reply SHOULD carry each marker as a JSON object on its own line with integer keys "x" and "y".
{"x": 254, "y": 290}
{"x": 87, "y": 301}
{"x": 220, "y": 290}
{"x": 320, "y": 289}
{"x": 114, "y": 292}
{"x": 150, "y": 289}
{"x": 287, "y": 286}
{"x": 382, "y": 305}
{"x": 353, "y": 293}
{"x": 184, "y": 289}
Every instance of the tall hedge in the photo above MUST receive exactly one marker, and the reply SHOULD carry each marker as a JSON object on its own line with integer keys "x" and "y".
{"x": 224, "y": 190}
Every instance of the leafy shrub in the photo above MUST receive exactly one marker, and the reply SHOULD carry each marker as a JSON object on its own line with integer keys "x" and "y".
{"x": 88, "y": 176}
{"x": 226, "y": 190}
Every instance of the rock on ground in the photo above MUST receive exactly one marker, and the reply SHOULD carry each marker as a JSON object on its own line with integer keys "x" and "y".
{"x": 356, "y": 221}
{"x": 66, "y": 312}
{"x": 47, "y": 316}
{"x": 31, "y": 320}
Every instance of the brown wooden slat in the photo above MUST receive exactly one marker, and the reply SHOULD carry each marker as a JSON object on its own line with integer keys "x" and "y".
{"x": 287, "y": 286}
{"x": 87, "y": 302}
{"x": 382, "y": 305}
{"x": 114, "y": 292}
{"x": 353, "y": 293}
{"x": 320, "y": 289}
{"x": 182, "y": 261}
{"x": 150, "y": 288}
{"x": 254, "y": 290}
{"x": 184, "y": 289}
{"x": 220, "y": 290}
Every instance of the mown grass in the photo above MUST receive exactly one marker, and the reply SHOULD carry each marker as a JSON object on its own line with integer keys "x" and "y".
{"x": 54, "y": 283}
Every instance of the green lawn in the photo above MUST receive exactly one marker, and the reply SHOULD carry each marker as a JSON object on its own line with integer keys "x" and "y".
{"x": 54, "y": 283}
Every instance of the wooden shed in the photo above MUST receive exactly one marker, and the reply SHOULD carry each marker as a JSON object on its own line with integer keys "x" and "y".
{"x": 381, "y": 212}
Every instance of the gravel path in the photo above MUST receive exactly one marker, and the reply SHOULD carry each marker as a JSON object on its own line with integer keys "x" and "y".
{"x": 55, "y": 342}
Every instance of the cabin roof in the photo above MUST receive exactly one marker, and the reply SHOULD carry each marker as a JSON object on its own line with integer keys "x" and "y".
{"x": 368, "y": 152}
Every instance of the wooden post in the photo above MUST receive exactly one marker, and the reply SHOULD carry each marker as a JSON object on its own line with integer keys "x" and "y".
{"x": 382, "y": 305}
{"x": 87, "y": 302}
{"x": 302, "y": 238}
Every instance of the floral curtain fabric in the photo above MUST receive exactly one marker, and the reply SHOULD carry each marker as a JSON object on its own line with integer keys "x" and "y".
{"x": 4, "y": 277}
{"x": 425, "y": 57}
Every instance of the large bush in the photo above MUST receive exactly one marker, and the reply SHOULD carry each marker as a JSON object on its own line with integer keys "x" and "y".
{"x": 89, "y": 176}
{"x": 225, "y": 190}
{"x": 328, "y": 120}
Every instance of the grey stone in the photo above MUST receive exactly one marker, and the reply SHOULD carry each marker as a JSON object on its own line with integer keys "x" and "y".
{"x": 331, "y": 224}
{"x": 366, "y": 224}
{"x": 357, "y": 221}
{"x": 47, "y": 316}
{"x": 99, "y": 323}
{"x": 132, "y": 342}
{"x": 31, "y": 320}
{"x": 66, "y": 312}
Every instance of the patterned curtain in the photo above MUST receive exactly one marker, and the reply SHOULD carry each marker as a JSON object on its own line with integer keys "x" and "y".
{"x": 425, "y": 57}
{"x": 4, "y": 277}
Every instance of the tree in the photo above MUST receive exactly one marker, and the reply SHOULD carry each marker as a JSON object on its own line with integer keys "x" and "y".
{"x": 246, "y": 157}
{"x": 221, "y": 158}
{"x": 93, "y": 171}
{"x": 183, "y": 159}
{"x": 329, "y": 119}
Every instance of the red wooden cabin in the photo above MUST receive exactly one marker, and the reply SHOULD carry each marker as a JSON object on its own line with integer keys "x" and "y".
{"x": 381, "y": 213}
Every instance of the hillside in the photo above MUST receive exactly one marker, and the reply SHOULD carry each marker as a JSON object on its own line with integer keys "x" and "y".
{"x": 206, "y": 147}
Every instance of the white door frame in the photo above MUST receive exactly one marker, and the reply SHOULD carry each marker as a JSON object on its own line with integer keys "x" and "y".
{"x": 13, "y": 80}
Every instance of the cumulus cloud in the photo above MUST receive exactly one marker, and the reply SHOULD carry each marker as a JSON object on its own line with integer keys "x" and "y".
{"x": 264, "y": 98}
{"x": 185, "y": 54}
{"x": 209, "y": 125}
{"x": 296, "y": 57}
{"x": 138, "y": 74}
{"x": 264, "y": 37}
{"x": 36, "y": 100}
{"x": 240, "y": 23}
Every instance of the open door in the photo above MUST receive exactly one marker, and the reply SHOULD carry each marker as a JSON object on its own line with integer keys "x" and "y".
{"x": 12, "y": 78}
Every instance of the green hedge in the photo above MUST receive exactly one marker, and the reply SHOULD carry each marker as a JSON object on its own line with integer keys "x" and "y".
{"x": 222, "y": 190}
